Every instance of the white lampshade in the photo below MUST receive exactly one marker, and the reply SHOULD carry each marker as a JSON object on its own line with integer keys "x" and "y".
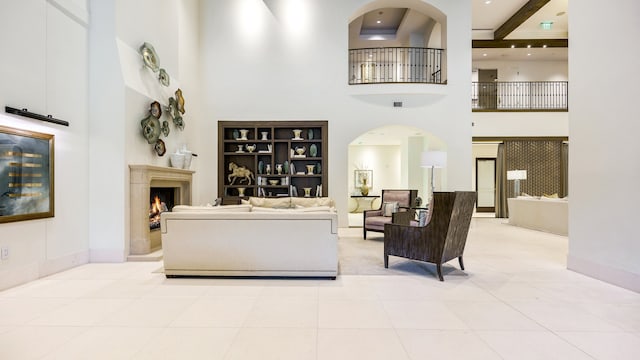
{"x": 437, "y": 159}
{"x": 517, "y": 175}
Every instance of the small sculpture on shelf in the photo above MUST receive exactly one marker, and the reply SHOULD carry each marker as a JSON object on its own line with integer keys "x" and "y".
{"x": 240, "y": 172}
{"x": 313, "y": 150}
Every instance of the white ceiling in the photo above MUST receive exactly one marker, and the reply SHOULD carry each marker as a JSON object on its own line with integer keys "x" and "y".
{"x": 486, "y": 18}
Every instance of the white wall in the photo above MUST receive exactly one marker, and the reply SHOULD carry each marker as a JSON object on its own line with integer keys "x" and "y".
{"x": 266, "y": 66}
{"x": 384, "y": 160}
{"x": 604, "y": 170}
{"x": 44, "y": 69}
{"x": 524, "y": 70}
{"x": 501, "y": 124}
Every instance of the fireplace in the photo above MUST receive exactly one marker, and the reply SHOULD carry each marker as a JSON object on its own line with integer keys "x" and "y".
{"x": 171, "y": 185}
{"x": 161, "y": 200}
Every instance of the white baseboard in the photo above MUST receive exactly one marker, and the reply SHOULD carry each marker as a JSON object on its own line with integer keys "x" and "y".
{"x": 605, "y": 273}
{"x": 52, "y": 266}
{"x": 35, "y": 270}
{"x": 107, "y": 255}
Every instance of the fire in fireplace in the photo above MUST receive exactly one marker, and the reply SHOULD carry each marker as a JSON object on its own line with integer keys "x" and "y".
{"x": 162, "y": 199}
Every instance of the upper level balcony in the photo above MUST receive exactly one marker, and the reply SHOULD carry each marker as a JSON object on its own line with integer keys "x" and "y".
{"x": 520, "y": 96}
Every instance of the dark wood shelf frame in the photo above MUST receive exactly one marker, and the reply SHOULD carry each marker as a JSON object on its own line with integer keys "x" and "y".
{"x": 281, "y": 138}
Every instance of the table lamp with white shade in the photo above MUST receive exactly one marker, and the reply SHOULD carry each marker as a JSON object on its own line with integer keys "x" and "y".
{"x": 433, "y": 160}
{"x": 516, "y": 175}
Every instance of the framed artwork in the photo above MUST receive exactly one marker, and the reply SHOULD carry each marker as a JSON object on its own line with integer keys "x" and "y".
{"x": 26, "y": 175}
{"x": 363, "y": 177}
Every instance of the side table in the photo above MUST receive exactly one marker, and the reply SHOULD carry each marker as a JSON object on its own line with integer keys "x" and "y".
{"x": 363, "y": 202}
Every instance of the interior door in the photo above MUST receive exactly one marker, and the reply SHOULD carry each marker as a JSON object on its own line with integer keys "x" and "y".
{"x": 487, "y": 88}
{"x": 486, "y": 184}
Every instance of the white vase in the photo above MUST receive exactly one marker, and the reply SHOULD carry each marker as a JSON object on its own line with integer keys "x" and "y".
{"x": 243, "y": 134}
{"x": 187, "y": 158}
{"x": 177, "y": 160}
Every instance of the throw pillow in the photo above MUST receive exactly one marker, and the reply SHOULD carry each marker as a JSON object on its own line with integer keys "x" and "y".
{"x": 422, "y": 218}
{"x": 389, "y": 208}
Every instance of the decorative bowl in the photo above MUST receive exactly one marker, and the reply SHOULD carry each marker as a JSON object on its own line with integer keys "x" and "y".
{"x": 274, "y": 182}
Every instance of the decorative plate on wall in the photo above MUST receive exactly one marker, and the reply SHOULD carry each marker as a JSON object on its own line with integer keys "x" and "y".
{"x": 180, "y": 100}
{"x": 155, "y": 109}
{"x": 163, "y": 77}
{"x": 151, "y": 129}
{"x": 150, "y": 57}
{"x": 179, "y": 122}
{"x": 160, "y": 148}
{"x": 165, "y": 128}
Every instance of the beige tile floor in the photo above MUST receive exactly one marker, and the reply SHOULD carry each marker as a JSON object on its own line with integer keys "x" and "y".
{"x": 516, "y": 300}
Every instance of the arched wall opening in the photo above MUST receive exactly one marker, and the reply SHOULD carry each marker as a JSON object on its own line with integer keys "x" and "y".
{"x": 390, "y": 156}
{"x": 411, "y": 32}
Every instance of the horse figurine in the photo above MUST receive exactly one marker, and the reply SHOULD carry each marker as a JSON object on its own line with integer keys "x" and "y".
{"x": 239, "y": 172}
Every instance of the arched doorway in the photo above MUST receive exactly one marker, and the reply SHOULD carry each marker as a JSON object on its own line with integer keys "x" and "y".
{"x": 390, "y": 158}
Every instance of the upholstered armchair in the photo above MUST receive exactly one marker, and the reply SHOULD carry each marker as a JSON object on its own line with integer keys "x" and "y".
{"x": 374, "y": 220}
{"x": 442, "y": 239}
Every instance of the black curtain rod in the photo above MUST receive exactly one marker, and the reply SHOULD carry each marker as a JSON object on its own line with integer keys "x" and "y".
{"x": 26, "y": 113}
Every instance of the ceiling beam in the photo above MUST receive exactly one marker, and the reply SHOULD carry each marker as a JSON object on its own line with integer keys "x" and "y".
{"x": 525, "y": 12}
{"x": 519, "y": 43}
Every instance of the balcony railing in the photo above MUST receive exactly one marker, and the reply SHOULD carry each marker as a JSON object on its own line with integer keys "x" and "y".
{"x": 520, "y": 96}
{"x": 396, "y": 65}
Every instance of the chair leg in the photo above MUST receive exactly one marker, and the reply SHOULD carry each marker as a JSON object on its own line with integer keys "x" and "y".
{"x": 364, "y": 233}
{"x": 461, "y": 263}
{"x": 439, "y": 268}
{"x": 386, "y": 261}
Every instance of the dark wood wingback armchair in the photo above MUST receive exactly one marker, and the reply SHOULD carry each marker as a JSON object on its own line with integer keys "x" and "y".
{"x": 441, "y": 240}
{"x": 374, "y": 220}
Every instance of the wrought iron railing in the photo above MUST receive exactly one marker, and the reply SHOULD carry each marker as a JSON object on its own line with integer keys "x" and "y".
{"x": 520, "y": 95}
{"x": 396, "y": 65}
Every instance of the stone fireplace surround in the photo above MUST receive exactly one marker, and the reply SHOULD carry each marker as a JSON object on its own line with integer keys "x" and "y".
{"x": 142, "y": 178}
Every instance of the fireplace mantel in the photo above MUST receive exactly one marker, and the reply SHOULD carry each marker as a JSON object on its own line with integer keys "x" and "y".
{"x": 142, "y": 179}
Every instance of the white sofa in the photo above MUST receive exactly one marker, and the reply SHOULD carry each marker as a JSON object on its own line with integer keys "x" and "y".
{"x": 247, "y": 240}
{"x": 540, "y": 213}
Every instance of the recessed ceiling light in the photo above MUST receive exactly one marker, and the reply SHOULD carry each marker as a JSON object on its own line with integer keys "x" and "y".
{"x": 485, "y": 54}
{"x": 487, "y": 2}
{"x": 379, "y": 22}
{"x": 513, "y": 46}
{"x": 529, "y": 54}
{"x": 544, "y": 46}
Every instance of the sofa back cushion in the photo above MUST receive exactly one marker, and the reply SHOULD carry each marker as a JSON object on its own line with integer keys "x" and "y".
{"x": 296, "y": 210}
{"x": 224, "y": 208}
{"x": 279, "y": 203}
{"x": 298, "y": 202}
